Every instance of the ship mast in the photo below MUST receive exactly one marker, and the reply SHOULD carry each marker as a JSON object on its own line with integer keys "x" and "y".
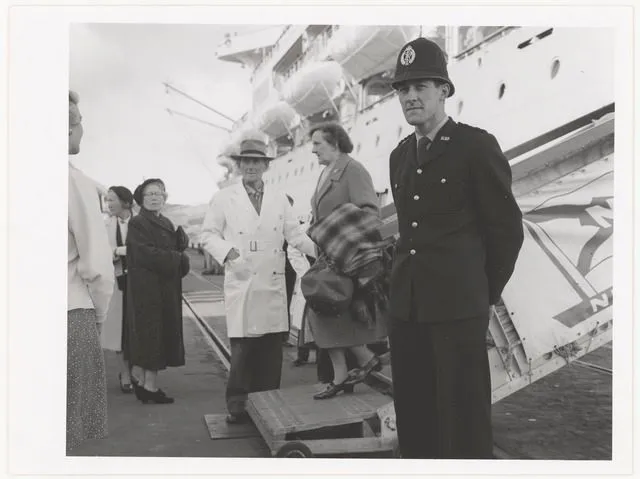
{"x": 186, "y": 95}
{"x": 173, "y": 112}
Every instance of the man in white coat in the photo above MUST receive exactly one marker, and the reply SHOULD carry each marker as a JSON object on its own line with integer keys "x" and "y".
{"x": 245, "y": 229}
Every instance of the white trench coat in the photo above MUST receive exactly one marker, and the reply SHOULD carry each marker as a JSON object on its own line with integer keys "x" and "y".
{"x": 254, "y": 284}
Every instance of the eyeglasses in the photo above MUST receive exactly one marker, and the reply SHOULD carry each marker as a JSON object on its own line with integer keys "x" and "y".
{"x": 154, "y": 194}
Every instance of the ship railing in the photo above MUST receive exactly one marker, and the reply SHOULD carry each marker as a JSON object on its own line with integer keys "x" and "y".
{"x": 476, "y": 46}
{"x": 269, "y": 54}
{"x": 313, "y": 51}
{"x": 382, "y": 99}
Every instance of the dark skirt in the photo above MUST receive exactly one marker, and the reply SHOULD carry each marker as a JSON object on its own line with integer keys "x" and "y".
{"x": 343, "y": 331}
{"x": 86, "y": 382}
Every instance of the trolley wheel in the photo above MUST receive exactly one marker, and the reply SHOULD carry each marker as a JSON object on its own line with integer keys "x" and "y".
{"x": 294, "y": 449}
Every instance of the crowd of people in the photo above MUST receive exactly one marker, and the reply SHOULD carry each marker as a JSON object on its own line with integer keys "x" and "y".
{"x": 124, "y": 293}
{"x": 460, "y": 232}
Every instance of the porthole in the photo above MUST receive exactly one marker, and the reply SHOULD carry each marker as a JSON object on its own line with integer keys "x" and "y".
{"x": 555, "y": 68}
{"x": 460, "y": 107}
{"x": 501, "y": 90}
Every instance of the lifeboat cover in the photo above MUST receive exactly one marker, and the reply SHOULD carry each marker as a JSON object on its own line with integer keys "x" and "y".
{"x": 311, "y": 89}
{"x": 364, "y": 50}
{"x": 276, "y": 119}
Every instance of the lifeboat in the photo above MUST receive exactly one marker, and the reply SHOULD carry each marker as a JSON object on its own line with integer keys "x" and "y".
{"x": 365, "y": 50}
{"x": 312, "y": 88}
{"x": 277, "y": 119}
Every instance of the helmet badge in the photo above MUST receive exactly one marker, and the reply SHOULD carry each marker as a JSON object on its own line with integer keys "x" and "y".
{"x": 408, "y": 56}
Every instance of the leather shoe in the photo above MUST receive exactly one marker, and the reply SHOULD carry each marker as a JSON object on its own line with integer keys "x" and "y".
{"x": 358, "y": 375}
{"x": 331, "y": 390}
{"x": 125, "y": 388}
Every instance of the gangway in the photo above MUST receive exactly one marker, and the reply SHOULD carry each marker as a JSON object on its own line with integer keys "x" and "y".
{"x": 574, "y": 175}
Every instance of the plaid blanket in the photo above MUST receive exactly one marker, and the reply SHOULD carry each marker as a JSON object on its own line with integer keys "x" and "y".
{"x": 350, "y": 238}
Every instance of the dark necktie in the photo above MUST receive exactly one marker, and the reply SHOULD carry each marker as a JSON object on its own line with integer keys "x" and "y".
{"x": 423, "y": 150}
{"x": 120, "y": 243}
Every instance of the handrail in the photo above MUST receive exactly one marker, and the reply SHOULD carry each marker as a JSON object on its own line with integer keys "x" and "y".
{"x": 380, "y": 100}
{"x": 477, "y": 46}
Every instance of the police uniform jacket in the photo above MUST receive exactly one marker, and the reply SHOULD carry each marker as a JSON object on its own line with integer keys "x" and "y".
{"x": 460, "y": 227}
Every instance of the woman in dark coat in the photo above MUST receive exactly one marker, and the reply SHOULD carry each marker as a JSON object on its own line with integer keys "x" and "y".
{"x": 156, "y": 265}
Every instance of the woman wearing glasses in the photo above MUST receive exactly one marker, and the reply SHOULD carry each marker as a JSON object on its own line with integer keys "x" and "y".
{"x": 156, "y": 263}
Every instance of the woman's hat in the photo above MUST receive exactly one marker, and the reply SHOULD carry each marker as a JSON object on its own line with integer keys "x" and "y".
{"x": 123, "y": 193}
{"x": 421, "y": 59}
{"x": 253, "y": 149}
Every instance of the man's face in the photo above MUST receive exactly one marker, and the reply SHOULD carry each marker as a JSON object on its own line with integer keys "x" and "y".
{"x": 252, "y": 169}
{"x": 420, "y": 100}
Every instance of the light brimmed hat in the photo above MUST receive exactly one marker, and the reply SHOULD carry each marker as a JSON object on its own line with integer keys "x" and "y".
{"x": 253, "y": 149}
{"x": 421, "y": 59}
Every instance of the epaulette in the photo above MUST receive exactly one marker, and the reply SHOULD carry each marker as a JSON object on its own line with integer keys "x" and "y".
{"x": 470, "y": 127}
{"x": 404, "y": 140}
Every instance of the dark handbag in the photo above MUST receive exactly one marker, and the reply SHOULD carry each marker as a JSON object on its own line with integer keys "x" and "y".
{"x": 182, "y": 239}
{"x": 326, "y": 290}
{"x": 122, "y": 282}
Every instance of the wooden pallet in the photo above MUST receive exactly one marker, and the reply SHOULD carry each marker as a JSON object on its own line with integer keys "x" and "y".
{"x": 291, "y": 420}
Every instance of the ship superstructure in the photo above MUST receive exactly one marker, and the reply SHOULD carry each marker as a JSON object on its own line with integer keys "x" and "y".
{"x": 527, "y": 86}
{"x": 546, "y": 93}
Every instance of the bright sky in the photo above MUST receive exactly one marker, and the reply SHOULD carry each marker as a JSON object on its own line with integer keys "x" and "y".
{"x": 118, "y": 71}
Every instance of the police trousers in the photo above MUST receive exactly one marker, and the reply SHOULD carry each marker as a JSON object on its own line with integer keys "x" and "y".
{"x": 442, "y": 389}
{"x": 256, "y": 365}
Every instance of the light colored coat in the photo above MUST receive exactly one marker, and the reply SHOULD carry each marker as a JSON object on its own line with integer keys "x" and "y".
{"x": 89, "y": 270}
{"x": 347, "y": 182}
{"x": 254, "y": 284}
{"x": 111, "y": 337}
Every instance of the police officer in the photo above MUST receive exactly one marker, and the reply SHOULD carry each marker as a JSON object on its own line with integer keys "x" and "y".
{"x": 460, "y": 234}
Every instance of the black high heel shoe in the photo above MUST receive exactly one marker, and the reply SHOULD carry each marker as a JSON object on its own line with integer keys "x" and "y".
{"x": 333, "y": 389}
{"x": 125, "y": 388}
{"x": 158, "y": 397}
{"x": 137, "y": 388}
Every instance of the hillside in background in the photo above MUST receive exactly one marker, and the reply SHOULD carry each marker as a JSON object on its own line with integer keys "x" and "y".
{"x": 190, "y": 217}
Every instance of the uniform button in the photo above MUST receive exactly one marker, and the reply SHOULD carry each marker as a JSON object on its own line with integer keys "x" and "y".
{"x": 443, "y": 180}
{"x": 416, "y": 197}
{"x": 419, "y": 171}
{"x": 414, "y": 224}
{"x": 412, "y": 251}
